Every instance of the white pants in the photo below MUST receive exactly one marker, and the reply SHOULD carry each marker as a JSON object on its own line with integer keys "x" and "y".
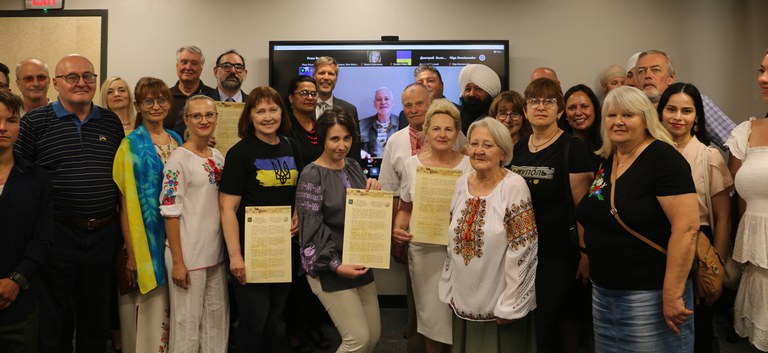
{"x": 144, "y": 320}
{"x": 355, "y": 312}
{"x": 200, "y": 314}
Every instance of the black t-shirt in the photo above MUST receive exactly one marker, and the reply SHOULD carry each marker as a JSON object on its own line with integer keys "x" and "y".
{"x": 261, "y": 174}
{"x": 617, "y": 259}
{"x": 543, "y": 171}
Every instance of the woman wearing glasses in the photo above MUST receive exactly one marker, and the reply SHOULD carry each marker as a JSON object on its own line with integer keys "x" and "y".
{"x": 562, "y": 297}
{"x": 488, "y": 276}
{"x": 507, "y": 108}
{"x": 138, "y": 172}
{"x": 262, "y": 170}
{"x": 193, "y": 256}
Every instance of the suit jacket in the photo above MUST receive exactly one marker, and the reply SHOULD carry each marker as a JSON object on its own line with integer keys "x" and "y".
{"x": 214, "y": 93}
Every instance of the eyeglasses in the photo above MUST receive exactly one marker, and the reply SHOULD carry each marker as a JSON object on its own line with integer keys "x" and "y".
{"x": 149, "y": 102}
{"x": 227, "y": 67}
{"x": 210, "y": 116}
{"x": 304, "y": 93}
{"x": 509, "y": 115}
{"x": 30, "y": 78}
{"x": 4, "y": 85}
{"x": 73, "y": 78}
{"x": 547, "y": 102}
{"x": 474, "y": 145}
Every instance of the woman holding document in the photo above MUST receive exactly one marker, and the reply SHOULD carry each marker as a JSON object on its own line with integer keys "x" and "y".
{"x": 488, "y": 279}
{"x": 347, "y": 291}
{"x": 262, "y": 170}
{"x": 425, "y": 259}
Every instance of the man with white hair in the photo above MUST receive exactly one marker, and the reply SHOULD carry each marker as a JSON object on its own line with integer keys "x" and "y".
{"x": 189, "y": 67}
{"x": 377, "y": 128}
{"x": 654, "y": 73}
{"x": 479, "y": 84}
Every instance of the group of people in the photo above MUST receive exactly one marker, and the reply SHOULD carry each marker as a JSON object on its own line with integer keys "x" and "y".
{"x": 126, "y": 209}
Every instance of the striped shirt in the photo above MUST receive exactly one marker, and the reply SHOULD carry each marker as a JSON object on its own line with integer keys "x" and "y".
{"x": 77, "y": 155}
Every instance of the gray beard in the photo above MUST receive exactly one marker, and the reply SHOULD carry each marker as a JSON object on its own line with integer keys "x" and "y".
{"x": 231, "y": 85}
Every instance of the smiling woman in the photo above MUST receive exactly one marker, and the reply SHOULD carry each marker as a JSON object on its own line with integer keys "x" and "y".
{"x": 655, "y": 195}
{"x": 262, "y": 170}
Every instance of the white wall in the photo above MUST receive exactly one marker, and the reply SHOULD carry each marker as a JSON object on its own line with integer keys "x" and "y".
{"x": 716, "y": 44}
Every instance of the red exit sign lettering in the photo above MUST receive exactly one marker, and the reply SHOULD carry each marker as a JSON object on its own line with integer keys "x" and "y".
{"x": 44, "y": 4}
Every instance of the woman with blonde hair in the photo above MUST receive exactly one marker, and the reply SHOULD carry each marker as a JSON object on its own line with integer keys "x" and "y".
{"x": 642, "y": 299}
{"x": 116, "y": 96}
{"x": 442, "y": 126}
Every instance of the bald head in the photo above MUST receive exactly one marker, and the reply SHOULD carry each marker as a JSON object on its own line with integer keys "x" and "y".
{"x": 33, "y": 80}
{"x": 79, "y": 92}
{"x": 544, "y": 72}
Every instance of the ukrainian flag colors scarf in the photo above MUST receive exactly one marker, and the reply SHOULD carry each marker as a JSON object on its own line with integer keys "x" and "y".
{"x": 138, "y": 172}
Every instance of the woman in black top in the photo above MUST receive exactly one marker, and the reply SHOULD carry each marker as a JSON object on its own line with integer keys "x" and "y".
{"x": 562, "y": 300}
{"x": 642, "y": 299}
{"x": 262, "y": 169}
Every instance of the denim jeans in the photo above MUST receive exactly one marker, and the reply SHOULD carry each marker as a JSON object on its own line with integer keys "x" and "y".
{"x": 633, "y": 321}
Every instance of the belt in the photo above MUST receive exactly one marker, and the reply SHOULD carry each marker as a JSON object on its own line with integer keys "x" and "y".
{"x": 87, "y": 224}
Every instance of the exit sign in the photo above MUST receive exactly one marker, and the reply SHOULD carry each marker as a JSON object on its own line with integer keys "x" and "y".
{"x": 44, "y": 4}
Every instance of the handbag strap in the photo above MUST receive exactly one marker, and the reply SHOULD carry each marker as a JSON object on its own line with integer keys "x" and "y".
{"x": 707, "y": 187}
{"x": 615, "y": 212}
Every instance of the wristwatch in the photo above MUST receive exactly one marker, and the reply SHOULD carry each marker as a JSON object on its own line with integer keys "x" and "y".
{"x": 20, "y": 280}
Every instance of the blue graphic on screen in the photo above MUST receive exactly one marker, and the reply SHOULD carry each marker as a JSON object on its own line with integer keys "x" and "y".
{"x": 404, "y": 57}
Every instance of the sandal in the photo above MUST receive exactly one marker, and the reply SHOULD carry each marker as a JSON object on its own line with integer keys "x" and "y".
{"x": 318, "y": 339}
{"x": 298, "y": 345}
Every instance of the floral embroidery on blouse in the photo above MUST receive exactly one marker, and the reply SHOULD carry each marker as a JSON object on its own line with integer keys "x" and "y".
{"x": 214, "y": 171}
{"x": 308, "y": 257}
{"x": 598, "y": 185}
{"x": 171, "y": 187}
{"x": 469, "y": 231}
{"x": 520, "y": 224}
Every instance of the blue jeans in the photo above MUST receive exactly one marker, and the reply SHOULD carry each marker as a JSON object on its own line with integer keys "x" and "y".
{"x": 633, "y": 321}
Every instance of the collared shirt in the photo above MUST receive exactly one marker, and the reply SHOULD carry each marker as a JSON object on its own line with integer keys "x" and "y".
{"x": 175, "y": 120}
{"x": 238, "y": 97}
{"x": 719, "y": 125}
{"x": 77, "y": 155}
{"x": 26, "y": 217}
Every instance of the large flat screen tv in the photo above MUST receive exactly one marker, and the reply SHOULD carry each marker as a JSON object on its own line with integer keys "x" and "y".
{"x": 365, "y": 66}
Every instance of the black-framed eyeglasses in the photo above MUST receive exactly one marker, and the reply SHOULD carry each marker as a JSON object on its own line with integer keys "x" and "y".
{"x": 73, "y": 79}
{"x": 30, "y": 78}
{"x": 210, "y": 116}
{"x": 4, "y": 85}
{"x": 227, "y": 67}
{"x": 304, "y": 93}
{"x": 149, "y": 102}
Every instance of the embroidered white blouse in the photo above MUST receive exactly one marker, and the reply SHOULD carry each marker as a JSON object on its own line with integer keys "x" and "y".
{"x": 490, "y": 270}
{"x": 191, "y": 192}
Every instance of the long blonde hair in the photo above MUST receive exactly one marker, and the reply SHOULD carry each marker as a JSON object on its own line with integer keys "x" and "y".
{"x": 626, "y": 99}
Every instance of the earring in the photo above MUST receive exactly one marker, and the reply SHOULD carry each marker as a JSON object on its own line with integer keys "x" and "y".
{"x": 695, "y": 126}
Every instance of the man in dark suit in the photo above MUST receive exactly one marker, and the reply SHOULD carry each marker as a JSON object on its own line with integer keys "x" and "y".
{"x": 230, "y": 72}
{"x": 325, "y": 73}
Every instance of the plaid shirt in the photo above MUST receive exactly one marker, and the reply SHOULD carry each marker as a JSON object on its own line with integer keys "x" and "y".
{"x": 719, "y": 125}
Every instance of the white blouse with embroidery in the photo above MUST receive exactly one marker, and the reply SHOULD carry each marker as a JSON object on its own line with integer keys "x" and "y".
{"x": 191, "y": 192}
{"x": 490, "y": 271}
